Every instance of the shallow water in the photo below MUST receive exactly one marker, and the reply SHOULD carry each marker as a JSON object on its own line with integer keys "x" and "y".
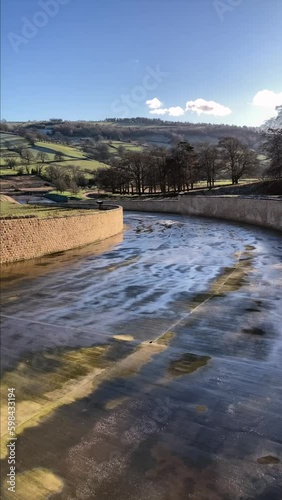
{"x": 149, "y": 366}
{"x": 33, "y": 199}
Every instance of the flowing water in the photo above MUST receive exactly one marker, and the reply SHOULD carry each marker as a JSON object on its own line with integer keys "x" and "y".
{"x": 148, "y": 366}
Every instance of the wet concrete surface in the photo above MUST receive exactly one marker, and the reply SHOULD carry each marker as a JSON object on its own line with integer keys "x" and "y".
{"x": 148, "y": 368}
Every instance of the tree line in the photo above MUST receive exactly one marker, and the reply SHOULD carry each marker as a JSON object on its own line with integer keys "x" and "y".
{"x": 28, "y": 157}
{"x": 179, "y": 168}
{"x": 159, "y": 169}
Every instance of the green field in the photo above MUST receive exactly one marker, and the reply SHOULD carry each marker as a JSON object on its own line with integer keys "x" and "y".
{"x": 223, "y": 182}
{"x": 13, "y": 140}
{"x": 14, "y": 210}
{"x": 84, "y": 165}
{"x": 72, "y": 156}
{"x": 128, "y": 146}
{"x": 58, "y": 148}
{"x": 7, "y": 171}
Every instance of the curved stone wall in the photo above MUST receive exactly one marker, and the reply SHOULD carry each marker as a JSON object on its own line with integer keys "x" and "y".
{"x": 265, "y": 212}
{"x": 27, "y": 238}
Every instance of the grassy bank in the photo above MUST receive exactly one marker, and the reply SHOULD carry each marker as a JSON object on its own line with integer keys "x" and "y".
{"x": 13, "y": 210}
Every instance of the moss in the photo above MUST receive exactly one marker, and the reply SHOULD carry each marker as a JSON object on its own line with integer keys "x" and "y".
{"x": 128, "y": 372}
{"x": 201, "y": 409}
{"x": 188, "y": 363}
{"x": 233, "y": 278}
{"x": 56, "y": 379}
{"x": 132, "y": 364}
{"x": 230, "y": 280}
{"x": 114, "y": 403}
{"x": 49, "y": 381}
{"x": 165, "y": 338}
{"x": 36, "y": 483}
{"x": 199, "y": 299}
{"x": 46, "y": 372}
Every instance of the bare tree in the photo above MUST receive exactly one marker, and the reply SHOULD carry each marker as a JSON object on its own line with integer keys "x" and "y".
{"x": 159, "y": 158}
{"x": 59, "y": 156}
{"x": 4, "y": 127}
{"x": 42, "y": 156}
{"x": 182, "y": 167}
{"x": 121, "y": 150}
{"x": 26, "y": 165}
{"x": 272, "y": 146}
{"x": 75, "y": 175}
{"x": 39, "y": 169}
{"x": 57, "y": 176}
{"x": 73, "y": 187}
{"x": 9, "y": 145}
{"x": 135, "y": 163}
{"x": 10, "y": 162}
{"x": 19, "y": 150}
{"x": 66, "y": 178}
{"x": 27, "y": 155}
{"x": 237, "y": 158}
{"x": 209, "y": 165}
{"x": 61, "y": 184}
{"x": 103, "y": 151}
{"x": 107, "y": 179}
{"x": 30, "y": 137}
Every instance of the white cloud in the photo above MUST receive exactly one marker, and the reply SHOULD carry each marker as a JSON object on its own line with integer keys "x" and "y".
{"x": 267, "y": 99}
{"x": 160, "y": 111}
{"x": 154, "y": 103}
{"x": 176, "y": 111}
{"x": 173, "y": 111}
{"x": 201, "y": 106}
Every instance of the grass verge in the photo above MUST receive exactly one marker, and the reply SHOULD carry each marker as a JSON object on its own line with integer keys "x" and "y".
{"x": 13, "y": 210}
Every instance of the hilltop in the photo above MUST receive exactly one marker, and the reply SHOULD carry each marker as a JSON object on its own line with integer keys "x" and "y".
{"x": 275, "y": 122}
{"x": 144, "y": 131}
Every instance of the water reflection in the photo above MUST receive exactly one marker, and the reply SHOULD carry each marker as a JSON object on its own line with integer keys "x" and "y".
{"x": 150, "y": 367}
{"x": 34, "y": 268}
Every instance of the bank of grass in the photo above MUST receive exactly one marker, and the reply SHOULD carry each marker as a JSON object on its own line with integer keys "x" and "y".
{"x": 72, "y": 156}
{"x": 79, "y": 196}
{"x": 84, "y": 165}
{"x": 224, "y": 182}
{"x": 7, "y": 171}
{"x": 128, "y": 146}
{"x": 54, "y": 148}
{"x": 13, "y": 210}
{"x": 13, "y": 140}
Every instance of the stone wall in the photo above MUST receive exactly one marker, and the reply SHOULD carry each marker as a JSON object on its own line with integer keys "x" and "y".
{"x": 265, "y": 212}
{"x": 162, "y": 206}
{"x": 27, "y": 238}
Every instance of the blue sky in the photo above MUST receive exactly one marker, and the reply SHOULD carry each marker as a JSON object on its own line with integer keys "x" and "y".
{"x": 216, "y": 61}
